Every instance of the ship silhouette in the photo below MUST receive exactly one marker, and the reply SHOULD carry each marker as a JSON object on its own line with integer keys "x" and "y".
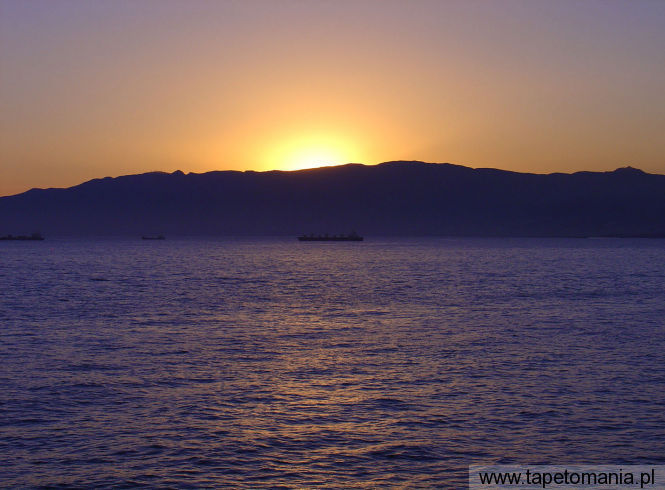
{"x": 33, "y": 236}
{"x": 351, "y": 237}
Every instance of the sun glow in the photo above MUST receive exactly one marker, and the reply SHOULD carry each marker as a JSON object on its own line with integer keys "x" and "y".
{"x": 311, "y": 152}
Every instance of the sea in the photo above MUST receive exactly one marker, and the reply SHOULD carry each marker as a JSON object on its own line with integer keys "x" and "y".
{"x": 270, "y": 363}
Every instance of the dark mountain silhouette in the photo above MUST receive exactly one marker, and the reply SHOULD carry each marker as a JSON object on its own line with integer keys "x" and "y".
{"x": 393, "y": 198}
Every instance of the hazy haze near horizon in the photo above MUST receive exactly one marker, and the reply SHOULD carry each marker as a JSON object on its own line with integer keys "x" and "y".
{"x": 89, "y": 89}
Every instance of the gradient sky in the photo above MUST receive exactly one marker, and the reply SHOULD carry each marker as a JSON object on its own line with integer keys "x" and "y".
{"x": 95, "y": 88}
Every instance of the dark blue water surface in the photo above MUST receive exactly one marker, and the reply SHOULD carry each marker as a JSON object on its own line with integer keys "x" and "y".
{"x": 269, "y": 362}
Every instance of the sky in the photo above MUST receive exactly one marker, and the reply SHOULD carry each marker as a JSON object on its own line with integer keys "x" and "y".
{"x": 92, "y": 88}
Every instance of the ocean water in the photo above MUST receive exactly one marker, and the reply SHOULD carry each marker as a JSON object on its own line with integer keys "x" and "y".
{"x": 270, "y": 363}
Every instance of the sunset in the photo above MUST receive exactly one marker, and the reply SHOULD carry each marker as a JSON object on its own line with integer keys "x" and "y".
{"x": 90, "y": 89}
{"x": 364, "y": 244}
{"x": 303, "y": 149}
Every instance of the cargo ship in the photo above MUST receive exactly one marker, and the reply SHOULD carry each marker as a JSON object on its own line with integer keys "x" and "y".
{"x": 34, "y": 236}
{"x": 351, "y": 237}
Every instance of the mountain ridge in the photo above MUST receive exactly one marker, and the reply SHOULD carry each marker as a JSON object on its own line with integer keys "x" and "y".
{"x": 391, "y": 198}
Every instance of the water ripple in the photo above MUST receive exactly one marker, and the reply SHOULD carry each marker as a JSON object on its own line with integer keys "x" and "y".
{"x": 268, "y": 363}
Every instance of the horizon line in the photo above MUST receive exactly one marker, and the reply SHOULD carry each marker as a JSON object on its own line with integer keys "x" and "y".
{"x": 324, "y": 167}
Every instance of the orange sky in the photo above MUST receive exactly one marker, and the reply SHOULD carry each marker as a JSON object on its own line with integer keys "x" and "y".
{"x": 91, "y": 88}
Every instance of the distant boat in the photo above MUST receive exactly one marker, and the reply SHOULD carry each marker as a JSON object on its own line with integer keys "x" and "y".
{"x": 34, "y": 236}
{"x": 153, "y": 237}
{"x": 351, "y": 237}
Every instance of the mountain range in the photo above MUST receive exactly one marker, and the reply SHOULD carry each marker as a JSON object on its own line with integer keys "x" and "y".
{"x": 401, "y": 198}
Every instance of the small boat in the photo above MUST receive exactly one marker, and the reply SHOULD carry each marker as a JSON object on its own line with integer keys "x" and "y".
{"x": 351, "y": 237}
{"x": 153, "y": 237}
{"x": 33, "y": 236}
